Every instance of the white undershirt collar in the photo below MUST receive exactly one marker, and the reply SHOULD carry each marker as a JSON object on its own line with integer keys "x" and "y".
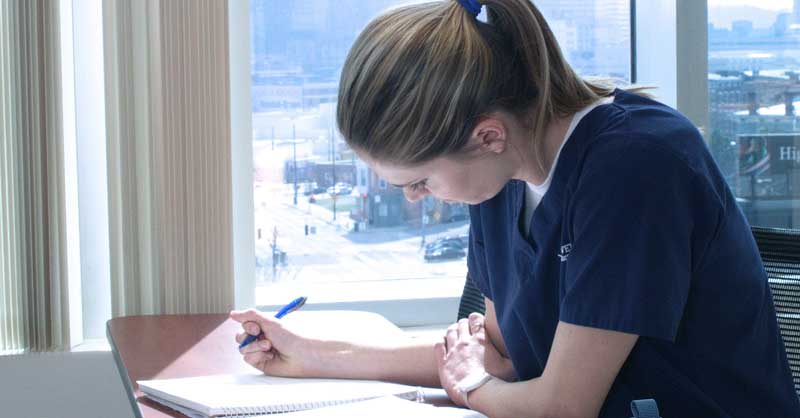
{"x": 535, "y": 192}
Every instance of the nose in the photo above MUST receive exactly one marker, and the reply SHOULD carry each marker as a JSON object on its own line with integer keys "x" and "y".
{"x": 415, "y": 195}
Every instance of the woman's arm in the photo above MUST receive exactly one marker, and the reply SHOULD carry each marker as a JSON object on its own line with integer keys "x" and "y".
{"x": 493, "y": 329}
{"x": 582, "y": 365}
{"x": 285, "y": 351}
{"x": 497, "y": 362}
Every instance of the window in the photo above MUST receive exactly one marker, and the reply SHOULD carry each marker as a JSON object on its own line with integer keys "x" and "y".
{"x": 326, "y": 225}
{"x": 594, "y": 34}
{"x": 754, "y": 64}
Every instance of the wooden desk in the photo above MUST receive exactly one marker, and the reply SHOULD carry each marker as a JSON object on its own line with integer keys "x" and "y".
{"x": 171, "y": 346}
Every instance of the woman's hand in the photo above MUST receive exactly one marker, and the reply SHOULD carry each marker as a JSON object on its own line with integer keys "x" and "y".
{"x": 462, "y": 355}
{"x": 280, "y": 351}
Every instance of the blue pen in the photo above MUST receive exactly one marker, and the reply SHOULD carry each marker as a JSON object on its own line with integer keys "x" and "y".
{"x": 292, "y": 306}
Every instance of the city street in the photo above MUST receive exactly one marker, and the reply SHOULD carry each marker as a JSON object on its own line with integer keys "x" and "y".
{"x": 332, "y": 252}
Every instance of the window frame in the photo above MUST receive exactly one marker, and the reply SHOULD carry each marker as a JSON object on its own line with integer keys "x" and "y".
{"x": 679, "y": 66}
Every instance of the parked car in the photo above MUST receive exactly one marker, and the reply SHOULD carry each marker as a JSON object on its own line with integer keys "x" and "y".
{"x": 461, "y": 241}
{"x": 312, "y": 188}
{"x": 340, "y": 189}
{"x": 444, "y": 252}
{"x": 457, "y": 217}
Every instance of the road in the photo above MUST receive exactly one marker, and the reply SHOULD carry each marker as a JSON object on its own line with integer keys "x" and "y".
{"x": 334, "y": 253}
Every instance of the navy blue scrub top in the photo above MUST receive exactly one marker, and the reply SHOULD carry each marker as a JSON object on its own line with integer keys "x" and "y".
{"x": 639, "y": 233}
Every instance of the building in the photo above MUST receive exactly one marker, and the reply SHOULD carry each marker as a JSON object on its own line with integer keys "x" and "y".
{"x": 768, "y": 182}
{"x": 328, "y": 173}
{"x": 380, "y": 204}
{"x": 384, "y": 205}
{"x": 612, "y": 39}
{"x": 593, "y": 35}
{"x": 796, "y": 11}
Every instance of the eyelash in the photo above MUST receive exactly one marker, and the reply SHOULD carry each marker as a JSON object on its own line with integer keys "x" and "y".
{"x": 418, "y": 185}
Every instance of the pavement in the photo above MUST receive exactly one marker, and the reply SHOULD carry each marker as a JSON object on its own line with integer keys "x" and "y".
{"x": 372, "y": 254}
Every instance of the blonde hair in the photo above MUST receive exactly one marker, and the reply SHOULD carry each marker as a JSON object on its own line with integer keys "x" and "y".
{"x": 419, "y": 77}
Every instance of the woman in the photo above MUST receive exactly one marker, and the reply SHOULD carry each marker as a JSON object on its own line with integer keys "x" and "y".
{"x": 612, "y": 255}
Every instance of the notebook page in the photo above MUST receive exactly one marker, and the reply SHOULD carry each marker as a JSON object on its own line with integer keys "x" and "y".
{"x": 385, "y": 407}
{"x": 213, "y": 395}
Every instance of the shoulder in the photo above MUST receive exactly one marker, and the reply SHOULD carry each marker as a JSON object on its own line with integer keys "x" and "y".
{"x": 647, "y": 148}
{"x": 640, "y": 135}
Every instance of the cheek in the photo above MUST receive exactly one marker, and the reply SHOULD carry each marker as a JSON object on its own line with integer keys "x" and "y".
{"x": 471, "y": 183}
{"x": 469, "y": 186}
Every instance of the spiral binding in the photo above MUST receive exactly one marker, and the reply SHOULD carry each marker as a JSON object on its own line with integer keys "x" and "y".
{"x": 243, "y": 412}
{"x": 246, "y": 412}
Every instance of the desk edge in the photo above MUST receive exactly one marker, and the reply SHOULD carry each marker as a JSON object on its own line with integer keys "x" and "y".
{"x": 123, "y": 372}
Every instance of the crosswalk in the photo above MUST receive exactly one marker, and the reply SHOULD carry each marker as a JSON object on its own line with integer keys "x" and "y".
{"x": 329, "y": 255}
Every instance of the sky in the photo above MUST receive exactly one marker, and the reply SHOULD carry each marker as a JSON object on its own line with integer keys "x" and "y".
{"x": 763, "y": 4}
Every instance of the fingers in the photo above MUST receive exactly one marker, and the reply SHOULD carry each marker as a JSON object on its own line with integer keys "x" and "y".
{"x": 255, "y": 359}
{"x": 476, "y": 323}
{"x": 252, "y": 315}
{"x": 475, "y": 316}
{"x": 451, "y": 336}
{"x": 256, "y": 346}
{"x": 251, "y": 328}
{"x": 463, "y": 328}
{"x": 253, "y": 323}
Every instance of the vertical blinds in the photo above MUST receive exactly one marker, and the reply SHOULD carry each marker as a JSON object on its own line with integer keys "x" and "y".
{"x": 33, "y": 273}
{"x": 168, "y": 117}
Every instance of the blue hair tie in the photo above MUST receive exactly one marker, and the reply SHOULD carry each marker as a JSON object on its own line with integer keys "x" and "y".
{"x": 472, "y": 6}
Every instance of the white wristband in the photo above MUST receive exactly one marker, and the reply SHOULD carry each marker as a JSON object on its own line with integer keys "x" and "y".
{"x": 471, "y": 383}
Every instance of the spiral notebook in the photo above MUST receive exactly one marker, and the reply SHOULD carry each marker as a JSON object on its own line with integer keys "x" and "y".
{"x": 257, "y": 394}
{"x": 386, "y": 407}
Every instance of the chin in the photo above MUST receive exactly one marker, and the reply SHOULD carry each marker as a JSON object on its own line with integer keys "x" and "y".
{"x": 488, "y": 196}
{"x": 476, "y": 201}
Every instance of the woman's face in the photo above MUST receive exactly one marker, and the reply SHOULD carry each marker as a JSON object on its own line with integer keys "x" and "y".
{"x": 472, "y": 179}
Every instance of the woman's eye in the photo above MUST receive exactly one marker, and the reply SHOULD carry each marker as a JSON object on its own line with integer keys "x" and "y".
{"x": 417, "y": 186}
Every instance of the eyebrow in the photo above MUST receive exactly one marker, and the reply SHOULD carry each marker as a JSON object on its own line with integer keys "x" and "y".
{"x": 401, "y": 186}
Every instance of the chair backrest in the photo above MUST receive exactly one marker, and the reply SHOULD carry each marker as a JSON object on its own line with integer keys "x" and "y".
{"x": 780, "y": 252}
{"x": 471, "y": 300}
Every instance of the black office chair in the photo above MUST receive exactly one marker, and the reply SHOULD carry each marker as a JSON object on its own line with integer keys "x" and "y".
{"x": 471, "y": 300}
{"x": 780, "y": 252}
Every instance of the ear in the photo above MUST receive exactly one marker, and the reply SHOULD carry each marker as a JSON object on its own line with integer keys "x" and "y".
{"x": 490, "y": 135}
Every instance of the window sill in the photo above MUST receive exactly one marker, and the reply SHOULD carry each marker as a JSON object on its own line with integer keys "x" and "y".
{"x": 413, "y": 302}
{"x": 99, "y": 344}
{"x": 427, "y": 332}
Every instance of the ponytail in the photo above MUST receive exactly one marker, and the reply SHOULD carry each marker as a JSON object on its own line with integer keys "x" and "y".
{"x": 561, "y": 91}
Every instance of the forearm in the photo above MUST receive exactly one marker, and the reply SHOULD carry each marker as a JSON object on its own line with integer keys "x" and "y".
{"x": 499, "y": 399}
{"x": 406, "y": 361}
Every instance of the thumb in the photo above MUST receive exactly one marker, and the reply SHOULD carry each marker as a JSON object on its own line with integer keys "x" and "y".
{"x": 252, "y": 315}
{"x": 476, "y": 317}
{"x": 476, "y": 324}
